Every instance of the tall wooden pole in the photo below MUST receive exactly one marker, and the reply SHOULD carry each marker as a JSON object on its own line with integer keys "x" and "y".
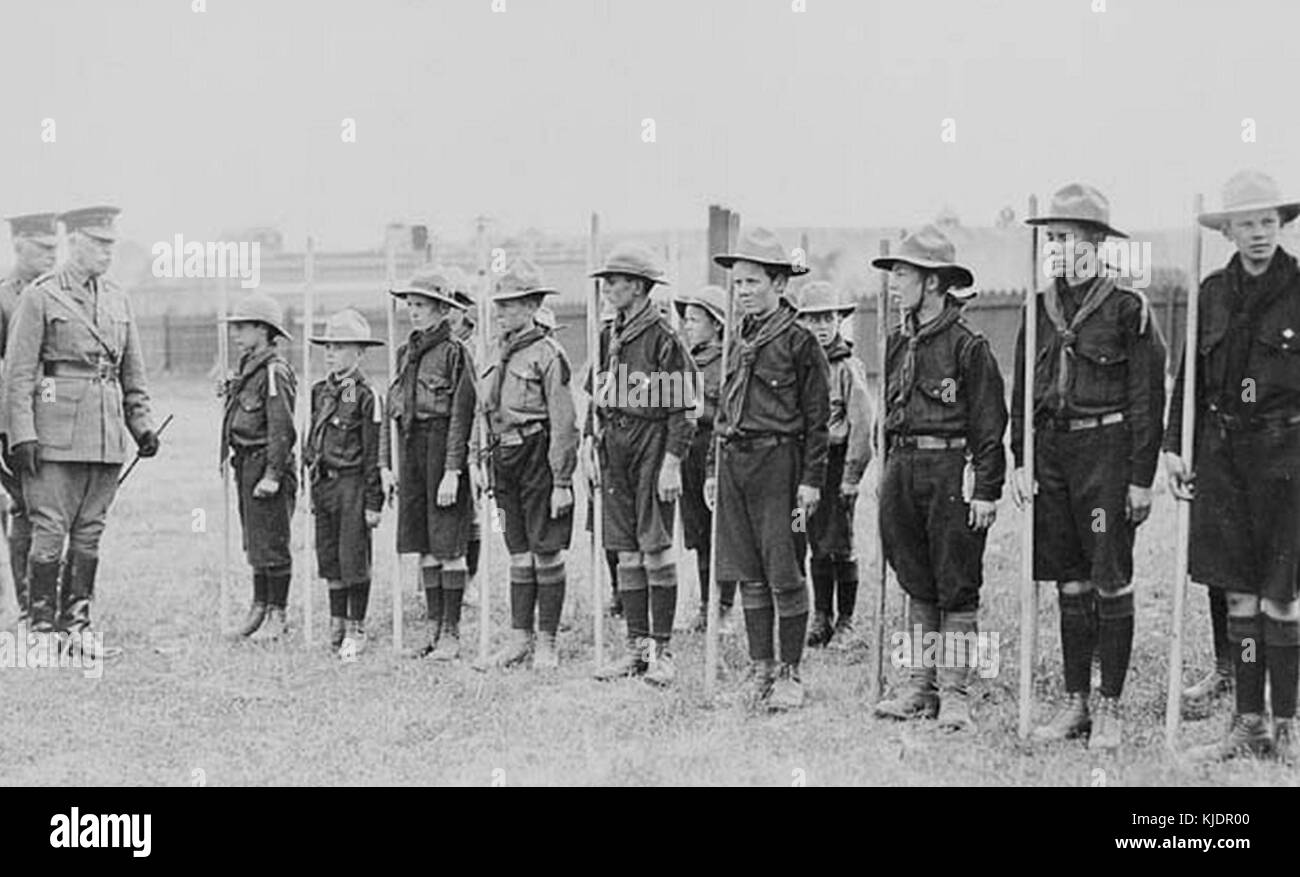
{"x": 223, "y": 363}
{"x": 488, "y": 500}
{"x": 390, "y": 314}
{"x": 882, "y": 448}
{"x": 1183, "y": 524}
{"x": 1029, "y": 585}
{"x": 596, "y": 506}
{"x": 305, "y": 560}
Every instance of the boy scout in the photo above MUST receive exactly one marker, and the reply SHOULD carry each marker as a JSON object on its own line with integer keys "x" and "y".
{"x": 258, "y": 437}
{"x": 76, "y": 391}
{"x": 464, "y": 328}
{"x": 640, "y": 391}
{"x": 35, "y": 237}
{"x": 830, "y": 530}
{"x": 342, "y": 455}
{"x": 432, "y": 402}
{"x": 703, "y": 315}
{"x": 1245, "y": 521}
{"x": 772, "y": 418}
{"x": 1098, "y": 400}
{"x": 945, "y": 413}
{"x": 534, "y": 451}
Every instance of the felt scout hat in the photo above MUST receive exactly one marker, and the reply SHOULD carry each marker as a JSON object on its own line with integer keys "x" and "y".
{"x": 260, "y": 308}
{"x": 1079, "y": 203}
{"x": 712, "y": 298}
{"x": 632, "y": 260}
{"x": 346, "y": 327}
{"x": 431, "y": 283}
{"x": 97, "y": 222}
{"x": 930, "y": 250}
{"x": 1247, "y": 191}
{"x": 545, "y": 317}
{"x": 40, "y": 227}
{"x": 460, "y": 286}
{"x": 520, "y": 280}
{"x": 762, "y": 247}
{"x": 820, "y": 297}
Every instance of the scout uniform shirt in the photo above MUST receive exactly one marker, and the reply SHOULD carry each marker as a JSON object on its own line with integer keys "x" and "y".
{"x": 344, "y": 437}
{"x": 259, "y": 412}
{"x": 850, "y": 414}
{"x": 75, "y": 371}
{"x": 708, "y": 359}
{"x": 436, "y": 388}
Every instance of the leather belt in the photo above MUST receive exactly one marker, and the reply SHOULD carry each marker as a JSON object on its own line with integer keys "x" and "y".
{"x": 103, "y": 370}
{"x": 514, "y": 437}
{"x": 1075, "y": 424}
{"x": 1238, "y": 424}
{"x": 756, "y": 442}
{"x": 930, "y": 442}
{"x": 330, "y": 473}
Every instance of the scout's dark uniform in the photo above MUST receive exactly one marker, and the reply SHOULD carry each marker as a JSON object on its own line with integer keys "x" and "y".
{"x": 259, "y": 436}
{"x": 342, "y": 454}
{"x": 77, "y": 388}
{"x": 697, "y": 520}
{"x": 1245, "y": 519}
{"x": 641, "y": 423}
{"x": 772, "y": 419}
{"x": 1098, "y": 398}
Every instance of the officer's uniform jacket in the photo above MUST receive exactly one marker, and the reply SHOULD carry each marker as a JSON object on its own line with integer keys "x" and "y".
{"x": 259, "y": 411}
{"x": 345, "y": 424}
{"x": 10, "y": 288}
{"x": 850, "y": 415}
{"x": 76, "y": 379}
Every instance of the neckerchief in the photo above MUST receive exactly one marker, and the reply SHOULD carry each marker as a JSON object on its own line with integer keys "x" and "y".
{"x": 419, "y": 343}
{"x": 513, "y": 344}
{"x": 1061, "y": 344}
{"x": 249, "y": 365}
{"x": 838, "y": 349}
{"x": 329, "y": 403}
{"x": 743, "y": 353}
{"x": 706, "y": 354}
{"x": 907, "y": 372}
{"x": 627, "y": 329}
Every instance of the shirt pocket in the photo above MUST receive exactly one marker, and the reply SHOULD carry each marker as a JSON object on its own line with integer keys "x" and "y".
{"x": 343, "y": 438}
{"x": 938, "y": 400}
{"x": 523, "y": 391}
{"x": 775, "y": 394}
{"x": 1276, "y": 367}
{"x": 432, "y": 396}
{"x": 55, "y": 410}
{"x": 250, "y": 416}
{"x": 1100, "y": 366}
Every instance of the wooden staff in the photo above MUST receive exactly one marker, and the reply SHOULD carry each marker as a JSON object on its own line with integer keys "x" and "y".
{"x": 486, "y": 513}
{"x": 390, "y": 313}
{"x": 882, "y": 402}
{"x": 595, "y": 506}
{"x": 715, "y": 599}
{"x": 304, "y": 409}
{"x": 1029, "y": 586}
{"x": 223, "y": 363}
{"x": 1173, "y": 700}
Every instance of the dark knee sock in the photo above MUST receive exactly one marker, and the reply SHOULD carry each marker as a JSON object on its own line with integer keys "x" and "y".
{"x": 1078, "y": 640}
{"x": 338, "y": 603}
{"x": 472, "y": 551}
{"x": 1282, "y": 642}
{"x": 634, "y": 588}
{"x": 358, "y": 601}
{"x": 550, "y": 596}
{"x": 702, "y": 567}
{"x": 760, "y": 614}
{"x": 663, "y": 601}
{"x": 727, "y": 593}
{"x": 792, "y": 623}
{"x": 846, "y": 588}
{"x": 823, "y": 581}
{"x": 1219, "y": 624}
{"x": 611, "y": 561}
{"x": 453, "y": 593}
{"x": 277, "y": 588}
{"x": 523, "y": 596}
{"x": 1114, "y": 640}
{"x": 261, "y": 592}
{"x": 1246, "y": 636}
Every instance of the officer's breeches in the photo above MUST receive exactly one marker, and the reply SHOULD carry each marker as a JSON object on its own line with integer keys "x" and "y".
{"x": 69, "y": 501}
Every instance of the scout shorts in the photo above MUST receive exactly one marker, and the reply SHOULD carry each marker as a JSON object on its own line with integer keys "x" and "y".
{"x": 424, "y": 527}
{"x": 632, "y": 452}
{"x": 758, "y": 536}
{"x": 830, "y": 527}
{"x": 343, "y": 543}
{"x": 522, "y": 474}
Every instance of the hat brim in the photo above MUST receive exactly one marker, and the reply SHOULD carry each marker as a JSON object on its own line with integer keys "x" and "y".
{"x": 1076, "y": 220}
{"x": 964, "y": 276}
{"x": 513, "y": 294}
{"x": 364, "y": 342}
{"x": 1218, "y": 219}
{"x": 107, "y": 237}
{"x": 464, "y": 299}
{"x": 680, "y": 305}
{"x": 728, "y": 261}
{"x": 628, "y": 272}
{"x": 279, "y": 330}
{"x": 842, "y": 310}
{"x": 49, "y": 240}
{"x": 405, "y": 291}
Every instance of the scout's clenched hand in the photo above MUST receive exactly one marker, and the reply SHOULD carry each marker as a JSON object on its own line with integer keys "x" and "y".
{"x": 561, "y": 501}
{"x": 1138, "y": 504}
{"x": 447, "y": 488}
{"x": 982, "y": 514}
{"x": 389, "y": 484}
{"x": 1181, "y": 478}
{"x": 808, "y": 498}
{"x": 670, "y": 479}
{"x": 268, "y": 486}
{"x": 372, "y": 518}
{"x": 711, "y": 492}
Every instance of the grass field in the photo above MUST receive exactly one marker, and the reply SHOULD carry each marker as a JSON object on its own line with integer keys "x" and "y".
{"x": 183, "y": 706}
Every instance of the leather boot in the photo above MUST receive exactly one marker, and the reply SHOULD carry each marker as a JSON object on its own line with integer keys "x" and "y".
{"x": 1199, "y": 699}
{"x": 1286, "y": 748}
{"x": 274, "y": 628}
{"x": 1108, "y": 727}
{"x": 842, "y": 638}
{"x": 354, "y": 640}
{"x": 545, "y": 656}
{"x": 79, "y": 580}
{"x": 338, "y": 632}
{"x": 917, "y": 698}
{"x": 1071, "y": 720}
{"x": 517, "y": 650}
{"x": 425, "y": 644}
{"x": 961, "y": 630}
{"x": 661, "y": 671}
{"x": 787, "y": 691}
{"x": 253, "y": 620}
{"x": 758, "y": 683}
{"x": 448, "y": 647}
{"x": 1247, "y": 737}
{"x": 633, "y": 662}
{"x": 819, "y": 632}
{"x": 65, "y": 598}
{"x": 43, "y": 595}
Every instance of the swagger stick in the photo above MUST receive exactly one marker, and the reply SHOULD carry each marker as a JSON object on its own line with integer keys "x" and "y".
{"x": 486, "y": 502}
{"x": 882, "y": 402}
{"x": 715, "y": 599}
{"x": 596, "y": 507}
{"x": 1029, "y": 586}
{"x": 304, "y": 407}
{"x": 390, "y": 313}
{"x": 223, "y": 363}
{"x": 1183, "y": 510}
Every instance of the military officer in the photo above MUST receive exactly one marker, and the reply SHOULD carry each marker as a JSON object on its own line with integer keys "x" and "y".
{"x": 35, "y": 239}
{"x": 1098, "y": 403}
{"x": 1245, "y": 521}
{"x": 77, "y": 390}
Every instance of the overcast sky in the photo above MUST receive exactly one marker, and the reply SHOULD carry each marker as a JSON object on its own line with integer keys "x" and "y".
{"x": 199, "y": 122}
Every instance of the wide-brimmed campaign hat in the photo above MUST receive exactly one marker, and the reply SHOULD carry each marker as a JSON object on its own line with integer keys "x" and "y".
{"x": 458, "y": 279}
{"x": 930, "y": 250}
{"x": 346, "y": 327}
{"x": 259, "y": 308}
{"x": 97, "y": 222}
{"x": 763, "y": 247}
{"x": 632, "y": 260}
{"x": 545, "y": 317}
{"x": 431, "y": 283}
{"x": 40, "y": 227}
{"x": 520, "y": 280}
{"x": 821, "y": 297}
{"x": 1079, "y": 203}
{"x": 712, "y": 298}
{"x": 1248, "y": 191}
